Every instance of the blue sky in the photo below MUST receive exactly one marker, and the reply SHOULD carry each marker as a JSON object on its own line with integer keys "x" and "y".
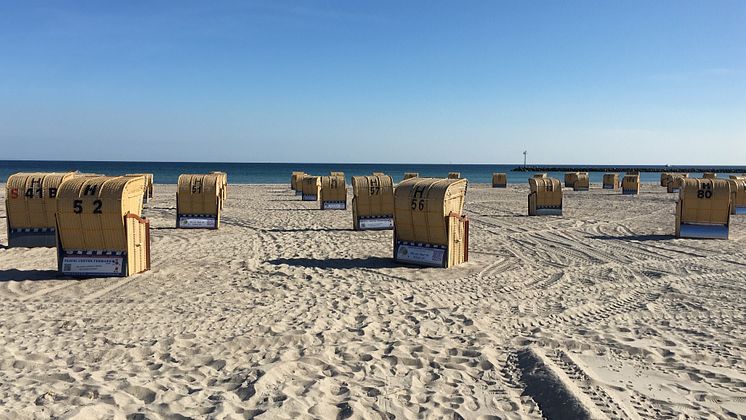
{"x": 628, "y": 82}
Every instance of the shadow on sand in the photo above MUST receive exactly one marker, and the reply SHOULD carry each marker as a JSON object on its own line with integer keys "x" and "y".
{"x": 21, "y": 275}
{"x": 309, "y": 230}
{"x": 641, "y": 238}
{"x": 339, "y": 263}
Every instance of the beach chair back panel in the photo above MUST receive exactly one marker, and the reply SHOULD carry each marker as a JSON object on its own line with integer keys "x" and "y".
{"x": 611, "y": 181}
{"x": 91, "y": 210}
{"x": 199, "y": 194}
{"x": 738, "y": 195}
{"x": 703, "y": 209}
{"x": 570, "y": 178}
{"x": 499, "y": 180}
{"x": 631, "y": 184}
{"x": 30, "y": 199}
{"x": 581, "y": 182}
{"x": 373, "y": 195}
{"x": 421, "y": 208}
{"x": 311, "y": 186}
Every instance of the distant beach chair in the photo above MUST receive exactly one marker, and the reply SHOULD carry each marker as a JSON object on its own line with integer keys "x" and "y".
{"x": 709, "y": 175}
{"x": 454, "y": 175}
{"x": 296, "y": 182}
{"x": 429, "y": 227}
{"x": 665, "y": 178}
{"x": 333, "y": 192}
{"x": 738, "y": 195}
{"x": 199, "y": 201}
{"x": 223, "y": 178}
{"x": 147, "y": 186}
{"x": 539, "y": 176}
{"x": 544, "y": 197}
{"x": 631, "y": 184}
{"x": 611, "y": 181}
{"x": 372, "y": 202}
{"x": 499, "y": 180}
{"x": 570, "y": 178}
{"x": 581, "y": 182}
{"x": 99, "y": 229}
{"x": 703, "y": 209}
{"x": 408, "y": 175}
{"x": 311, "y": 188}
{"x": 293, "y": 177}
{"x": 675, "y": 182}
{"x": 30, "y": 204}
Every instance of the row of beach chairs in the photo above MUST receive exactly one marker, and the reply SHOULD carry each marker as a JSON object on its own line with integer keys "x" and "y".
{"x": 96, "y": 221}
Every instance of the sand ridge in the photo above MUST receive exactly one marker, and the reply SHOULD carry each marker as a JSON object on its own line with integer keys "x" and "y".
{"x": 285, "y": 312}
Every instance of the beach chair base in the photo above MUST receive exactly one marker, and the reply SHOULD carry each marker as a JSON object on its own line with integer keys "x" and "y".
{"x": 609, "y": 187}
{"x": 32, "y": 238}
{"x": 630, "y": 192}
{"x": 309, "y": 197}
{"x": 547, "y": 212}
{"x": 740, "y": 210}
{"x": 703, "y": 231}
{"x": 196, "y": 221}
{"x": 500, "y": 186}
{"x": 375, "y": 223}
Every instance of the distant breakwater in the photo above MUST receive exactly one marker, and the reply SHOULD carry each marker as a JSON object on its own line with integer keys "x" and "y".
{"x": 690, "y": 169}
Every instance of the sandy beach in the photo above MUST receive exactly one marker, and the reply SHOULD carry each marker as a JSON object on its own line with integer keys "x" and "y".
{"x": 286, "y": 312}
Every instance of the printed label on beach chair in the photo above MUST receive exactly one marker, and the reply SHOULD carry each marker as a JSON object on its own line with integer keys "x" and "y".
{"x": 549, "y": 212}
{"x": 630, "y": 192}
{"x": 333, "y": 205}
{"x": 420, "y": 254}
{"x": 687, "y": 230}
{"x": 93, "y": 265}
{"x": 608, "y": 187}
{"x": 205, "y": 222}
{"x": 309, "y": 197}
{"x": 376, "y": 223}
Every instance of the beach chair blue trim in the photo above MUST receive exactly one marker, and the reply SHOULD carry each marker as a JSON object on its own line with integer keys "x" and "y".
{"x": 688, "y": 230}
